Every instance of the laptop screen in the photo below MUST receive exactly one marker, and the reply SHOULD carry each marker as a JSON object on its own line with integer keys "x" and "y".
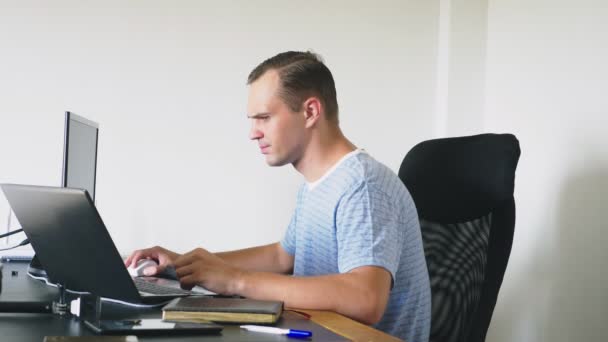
{"x": 71, "y": 240}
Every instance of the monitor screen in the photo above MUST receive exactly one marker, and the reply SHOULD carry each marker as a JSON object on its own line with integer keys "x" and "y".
{"x": 80, "y": 153}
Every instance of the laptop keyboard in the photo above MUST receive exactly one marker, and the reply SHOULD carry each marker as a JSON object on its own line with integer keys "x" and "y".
{"x": 156, "y": 289}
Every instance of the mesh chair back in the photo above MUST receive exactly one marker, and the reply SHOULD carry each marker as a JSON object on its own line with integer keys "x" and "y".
{"x": 463, "y": 190}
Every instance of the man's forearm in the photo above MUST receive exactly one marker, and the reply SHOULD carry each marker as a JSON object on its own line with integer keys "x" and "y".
{"x": 266, "y": 258}
{"x": 350, "y": 294}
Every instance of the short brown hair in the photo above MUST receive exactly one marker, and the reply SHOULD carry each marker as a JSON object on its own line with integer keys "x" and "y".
{"x": 302, "y": 74}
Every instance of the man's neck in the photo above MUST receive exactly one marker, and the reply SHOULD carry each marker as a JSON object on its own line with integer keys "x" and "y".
{"x": 323, "y": 152}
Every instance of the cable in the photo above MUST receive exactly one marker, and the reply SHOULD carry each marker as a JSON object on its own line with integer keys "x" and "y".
{"x": 44, "y": 279}
{"x": 22, "y": 243}
{"x": 8, "y": 220}
{"x": 103, "y": 299}
{"x": 10, "y": 233}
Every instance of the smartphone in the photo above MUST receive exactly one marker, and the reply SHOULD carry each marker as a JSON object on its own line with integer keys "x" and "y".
{"x": 152, "y": 327}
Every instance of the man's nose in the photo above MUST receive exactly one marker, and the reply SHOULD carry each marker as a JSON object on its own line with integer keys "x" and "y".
{"x": 255, "y": 133}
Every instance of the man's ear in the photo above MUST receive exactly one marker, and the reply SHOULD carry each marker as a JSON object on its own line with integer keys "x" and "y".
{"x": 313, "y": 109}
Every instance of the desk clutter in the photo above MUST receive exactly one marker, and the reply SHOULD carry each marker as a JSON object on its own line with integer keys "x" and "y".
{"x": 227, "y": 310}
{"x": 20, "y": 290}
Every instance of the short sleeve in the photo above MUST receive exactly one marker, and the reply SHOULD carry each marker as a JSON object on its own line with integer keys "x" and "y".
{"x": 289, "y": 240}
{"x": 368, "y": 230}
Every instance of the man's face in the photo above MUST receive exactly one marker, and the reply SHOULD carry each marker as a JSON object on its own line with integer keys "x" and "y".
{"x": 280, "y": 132}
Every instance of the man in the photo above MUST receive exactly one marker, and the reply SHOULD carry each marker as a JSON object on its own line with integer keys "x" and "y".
{"x": 353, "y": 245}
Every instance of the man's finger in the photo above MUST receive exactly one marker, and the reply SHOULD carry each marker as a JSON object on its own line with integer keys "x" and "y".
{"x": 133, "y": 258}
{"x": 187, "y": 283}
{"x": 184, "y": 270}
{"x": 183, "y": 260}
{"x": 128, "y": 260}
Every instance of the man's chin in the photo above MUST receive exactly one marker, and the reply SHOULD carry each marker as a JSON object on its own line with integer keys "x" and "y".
{"x": 274, "y": 161}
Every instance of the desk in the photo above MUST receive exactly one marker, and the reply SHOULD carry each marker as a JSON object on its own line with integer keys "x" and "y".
{"x": 346, "y": 327}
{"x": 33, "y": 327}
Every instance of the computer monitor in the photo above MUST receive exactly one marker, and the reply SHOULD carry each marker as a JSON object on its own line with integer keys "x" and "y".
{"x": 80, "y": 153}
{"x": 79, "y": 163}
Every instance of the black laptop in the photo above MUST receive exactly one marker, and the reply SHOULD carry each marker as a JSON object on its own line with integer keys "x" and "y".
{"x": 74, "y": 246}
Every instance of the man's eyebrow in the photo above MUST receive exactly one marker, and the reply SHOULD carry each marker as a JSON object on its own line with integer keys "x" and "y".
{"x": 257, "y": 115}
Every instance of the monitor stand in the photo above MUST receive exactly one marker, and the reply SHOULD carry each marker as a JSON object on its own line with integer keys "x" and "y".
{"x": 35, "y": 268}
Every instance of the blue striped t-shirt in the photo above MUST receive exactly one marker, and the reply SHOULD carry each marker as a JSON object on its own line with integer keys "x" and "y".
{"x": 360, "y": 214}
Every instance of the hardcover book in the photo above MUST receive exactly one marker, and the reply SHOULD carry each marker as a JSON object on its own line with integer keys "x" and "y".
{"x": 233, "y": 310}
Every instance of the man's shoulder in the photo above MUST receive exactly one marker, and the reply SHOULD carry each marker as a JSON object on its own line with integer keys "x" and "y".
{"x": 363, "y": 166}
{"x": 375, "y": 174}
{"x": 362, "y": 172}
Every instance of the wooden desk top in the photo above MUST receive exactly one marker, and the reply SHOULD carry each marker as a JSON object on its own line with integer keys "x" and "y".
{"x": 347, "y": 327}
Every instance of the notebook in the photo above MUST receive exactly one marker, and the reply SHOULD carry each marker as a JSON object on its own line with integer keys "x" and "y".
{"x": 233, "y": 310}
{"x": 74, "y": 246}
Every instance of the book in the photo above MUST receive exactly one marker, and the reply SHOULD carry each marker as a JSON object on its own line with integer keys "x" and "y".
{"x": 214, "y": 309}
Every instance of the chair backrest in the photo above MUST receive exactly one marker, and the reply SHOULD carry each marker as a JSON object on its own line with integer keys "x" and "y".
{"x": 463, "y": 191}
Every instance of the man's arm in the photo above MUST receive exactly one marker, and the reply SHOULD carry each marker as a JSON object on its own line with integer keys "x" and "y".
{"x": 361, "y": 294}
{"x": 268, "y": 258}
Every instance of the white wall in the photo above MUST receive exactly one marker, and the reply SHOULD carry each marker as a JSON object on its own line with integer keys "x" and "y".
{"x": 547, "y": 81}
{"x": 166, "y": 82}
{"x": 538, "y": 69}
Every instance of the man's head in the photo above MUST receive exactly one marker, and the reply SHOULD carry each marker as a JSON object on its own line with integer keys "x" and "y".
{"x": 290, "y": 94}
{"x": 302, "y": 75}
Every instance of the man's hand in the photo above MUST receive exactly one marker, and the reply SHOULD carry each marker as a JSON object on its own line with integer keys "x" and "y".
{"x": 200, "y": 267}
{"x": 162, "y": 256}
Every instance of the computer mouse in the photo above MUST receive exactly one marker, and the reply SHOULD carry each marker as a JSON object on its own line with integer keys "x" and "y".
{"x": 138, "y": 270}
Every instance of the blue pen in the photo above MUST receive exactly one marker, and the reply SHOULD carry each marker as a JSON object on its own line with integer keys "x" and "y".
{"x": 278, "y": 331}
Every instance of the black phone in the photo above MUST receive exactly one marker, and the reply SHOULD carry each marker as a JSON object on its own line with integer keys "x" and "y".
{"x": 150, "y": 326}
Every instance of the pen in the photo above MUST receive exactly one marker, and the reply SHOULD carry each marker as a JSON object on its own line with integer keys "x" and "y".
{"x": 278, "y": 331}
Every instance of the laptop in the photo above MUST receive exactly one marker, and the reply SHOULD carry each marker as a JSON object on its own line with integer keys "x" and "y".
{"x": 75, "y": 248}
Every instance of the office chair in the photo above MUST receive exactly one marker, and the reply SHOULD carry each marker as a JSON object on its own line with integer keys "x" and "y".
{"x": 463, "y": 191}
